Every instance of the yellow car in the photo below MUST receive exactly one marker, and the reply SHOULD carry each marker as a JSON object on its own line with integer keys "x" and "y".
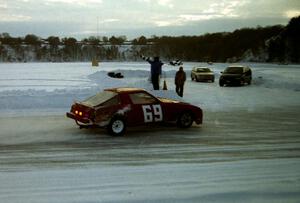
{"x": 202, "y": 74}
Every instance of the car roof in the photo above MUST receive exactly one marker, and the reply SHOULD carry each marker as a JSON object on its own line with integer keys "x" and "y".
{"x": 237, "y": 66}
{"x": 125, "y": 90}
{"x": 201, "y": 67}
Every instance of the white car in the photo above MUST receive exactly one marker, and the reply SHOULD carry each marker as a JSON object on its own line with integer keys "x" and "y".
{"x": 202, "y": 74}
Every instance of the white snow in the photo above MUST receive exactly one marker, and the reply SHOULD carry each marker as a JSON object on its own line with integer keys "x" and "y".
{"x": 56, "y": 85}
{"x": 247, "y": 149}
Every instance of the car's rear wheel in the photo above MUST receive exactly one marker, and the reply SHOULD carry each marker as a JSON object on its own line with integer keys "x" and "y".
{"x": 185, "y": 120}
{"x": 117, "y": 126}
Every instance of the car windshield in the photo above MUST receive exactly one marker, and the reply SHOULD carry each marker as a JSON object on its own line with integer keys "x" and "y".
{"x": 236, "y": 70}
{"x": 203, "y": 70}
{"x": 99, "y": 98}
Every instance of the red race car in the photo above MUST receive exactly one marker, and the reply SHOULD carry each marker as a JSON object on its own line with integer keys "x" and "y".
{"x": 120, "y": 107}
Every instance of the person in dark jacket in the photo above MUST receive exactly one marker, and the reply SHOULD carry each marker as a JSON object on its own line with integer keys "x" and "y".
{"x": 156, "y": 65}
{"x": 179, "y": 81}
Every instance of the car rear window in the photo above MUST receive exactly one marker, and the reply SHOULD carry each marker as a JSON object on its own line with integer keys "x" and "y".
{"x": 237, "y": 70}
{"x": 111, "y": 102}
{"x": 99, "y": 98}
{"x": 203, "y": 70}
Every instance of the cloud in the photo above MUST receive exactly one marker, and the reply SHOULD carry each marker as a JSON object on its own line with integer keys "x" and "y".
{"x": 230, "y": 8}
{"x": 225, "y": 8}
{"x": 14, "y": 18}
{"x": 162, "y": 23}
{"x": 190, "y": 17}
{"x": 132, "y": 15}
{"x": 222, "y": 9}
{"x": 110, "y": 20}
{"x": 76, "y": 2}
{"x": 147, "y": 1}
{"x": 292, "y": 13}
{"x": 167, "y": 3}
{"x": 3, "y": 6}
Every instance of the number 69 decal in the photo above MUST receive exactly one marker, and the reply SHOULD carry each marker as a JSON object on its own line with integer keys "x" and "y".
{"x": 152, "y": 114}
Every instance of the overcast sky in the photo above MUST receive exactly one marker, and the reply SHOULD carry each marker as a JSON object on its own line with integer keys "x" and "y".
{"x": 133, "y": 18}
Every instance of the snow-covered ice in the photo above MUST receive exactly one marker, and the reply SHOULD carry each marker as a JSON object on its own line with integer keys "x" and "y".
{"x": 247, "y": 149}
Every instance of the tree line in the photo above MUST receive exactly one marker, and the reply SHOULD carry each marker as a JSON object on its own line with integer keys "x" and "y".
{"x": 265, "y": 44}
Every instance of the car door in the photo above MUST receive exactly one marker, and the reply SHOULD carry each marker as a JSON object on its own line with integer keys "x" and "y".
{"x": 144, "y": 109}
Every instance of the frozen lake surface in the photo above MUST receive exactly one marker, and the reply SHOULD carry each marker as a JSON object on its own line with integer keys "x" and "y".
{"x": 247, "y": 150}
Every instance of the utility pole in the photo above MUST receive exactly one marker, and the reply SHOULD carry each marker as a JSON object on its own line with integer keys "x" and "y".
{"x": 97, "y": 27}
{"x": 95, "y": 60}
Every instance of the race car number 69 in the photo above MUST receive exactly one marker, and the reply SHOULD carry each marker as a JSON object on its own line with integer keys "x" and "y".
{"x": 152, "y": 115}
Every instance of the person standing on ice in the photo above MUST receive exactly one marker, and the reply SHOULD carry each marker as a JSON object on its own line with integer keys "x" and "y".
{"x": 156, "y": 65}
{"x": 179, "y": 81}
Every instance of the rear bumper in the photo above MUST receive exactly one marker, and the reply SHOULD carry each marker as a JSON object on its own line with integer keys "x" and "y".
{"x": 232, "y": 80}
{"x": 205, "y": 77}
{"x": 199, "y": 118}
{"x": 77, "y": 118}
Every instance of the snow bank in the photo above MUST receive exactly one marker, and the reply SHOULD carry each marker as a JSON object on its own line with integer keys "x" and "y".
{"x": 53, "y": 85}
{"x": 63, "y": 98}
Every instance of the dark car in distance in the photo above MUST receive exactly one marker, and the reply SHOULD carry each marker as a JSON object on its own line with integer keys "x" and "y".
{"x": 236, "y": 75}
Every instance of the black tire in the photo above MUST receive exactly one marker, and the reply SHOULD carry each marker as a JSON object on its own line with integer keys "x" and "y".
{"x": 249, "y": 83}
{"x": 117, "y": 126}
{"x": 221, "y": 83}
{"x": 185, "y": 120}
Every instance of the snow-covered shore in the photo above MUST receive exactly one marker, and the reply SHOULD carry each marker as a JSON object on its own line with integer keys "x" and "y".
{"x": 45, "y": 86}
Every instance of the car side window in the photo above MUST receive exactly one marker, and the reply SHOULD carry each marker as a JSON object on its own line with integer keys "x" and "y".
{"x": 142, "y": 98}
{"x": 111, "y": 102}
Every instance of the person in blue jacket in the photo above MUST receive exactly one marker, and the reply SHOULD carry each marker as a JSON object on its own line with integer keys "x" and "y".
{"x": 156, "y": 65}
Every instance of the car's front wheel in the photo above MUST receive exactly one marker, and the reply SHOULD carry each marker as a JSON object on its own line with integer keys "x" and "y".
{"x": 185, "y": 120}
{"x": 221, "y": 83}
{"x": 117, "y": 126}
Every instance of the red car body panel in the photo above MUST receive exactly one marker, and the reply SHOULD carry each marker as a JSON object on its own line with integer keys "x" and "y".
{"x": 158, "y": 110}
